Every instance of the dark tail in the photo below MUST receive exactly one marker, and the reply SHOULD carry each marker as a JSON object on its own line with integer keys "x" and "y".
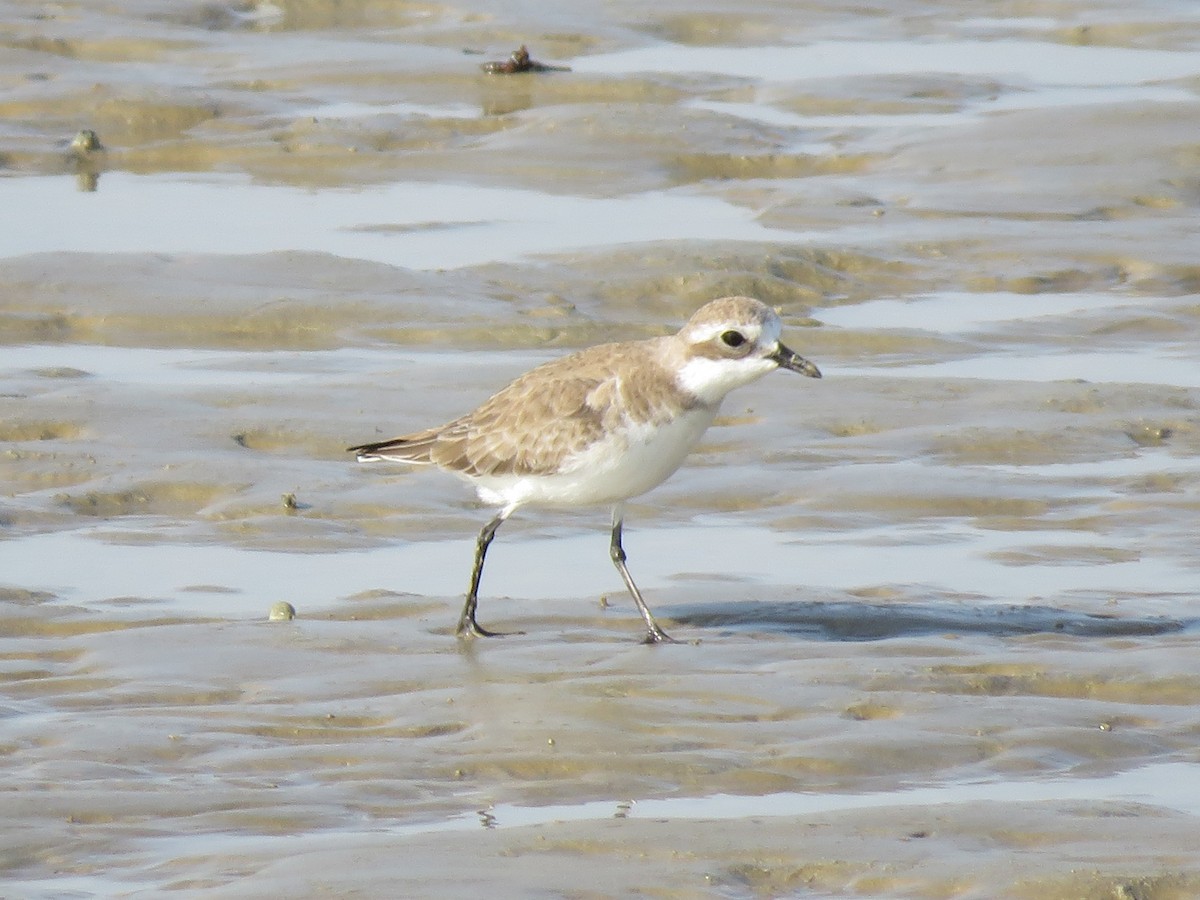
{"x": 360, "y": 449}
{"x": 409, "y": 449}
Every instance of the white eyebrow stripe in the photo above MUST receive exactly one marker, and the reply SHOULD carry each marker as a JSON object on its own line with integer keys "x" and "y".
{"x": 751, "y": 330}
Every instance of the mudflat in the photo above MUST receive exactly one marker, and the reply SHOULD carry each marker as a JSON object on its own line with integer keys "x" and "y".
{"x": 940, "y": 608}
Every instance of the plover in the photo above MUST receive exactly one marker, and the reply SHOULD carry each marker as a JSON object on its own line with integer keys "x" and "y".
{"x": 599, "y": 426}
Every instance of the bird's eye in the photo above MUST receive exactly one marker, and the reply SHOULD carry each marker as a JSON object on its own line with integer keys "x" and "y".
{"x": 733, "y": 338}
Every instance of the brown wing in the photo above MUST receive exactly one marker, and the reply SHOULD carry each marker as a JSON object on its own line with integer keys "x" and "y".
{"x": 535, "y": 423}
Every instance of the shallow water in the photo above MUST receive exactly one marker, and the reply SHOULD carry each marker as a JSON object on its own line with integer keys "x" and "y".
{"x": 387, "y": 224}
{"x": 939, "y": 609}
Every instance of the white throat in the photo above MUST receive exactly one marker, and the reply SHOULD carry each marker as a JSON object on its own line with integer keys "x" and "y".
{"x": 711, "y": 379}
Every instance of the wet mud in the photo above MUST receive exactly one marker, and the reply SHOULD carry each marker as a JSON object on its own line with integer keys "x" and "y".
{"x": 939, "y": 609}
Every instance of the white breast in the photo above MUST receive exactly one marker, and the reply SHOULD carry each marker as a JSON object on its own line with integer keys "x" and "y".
{"x": 625, "y": 465}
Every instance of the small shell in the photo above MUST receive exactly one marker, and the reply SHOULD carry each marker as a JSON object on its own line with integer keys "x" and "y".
{"x": 281, "y": 612}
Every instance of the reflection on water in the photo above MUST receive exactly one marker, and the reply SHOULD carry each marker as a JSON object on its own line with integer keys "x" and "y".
{"x": 948, "y": 558}
{"x": 957, "y": 311}
{"x": 1173, "y": 786}
{"x": 416, "y": 225}
{"x": 1039, "y": 62}
{"x": 196, "y": 368}
{"x": 1168, "y": 364}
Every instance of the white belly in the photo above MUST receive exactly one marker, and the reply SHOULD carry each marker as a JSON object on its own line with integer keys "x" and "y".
{"x": 606, "y": 472}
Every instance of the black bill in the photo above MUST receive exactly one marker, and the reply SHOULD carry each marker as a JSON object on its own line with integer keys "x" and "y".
{"x": 793, "y": 361}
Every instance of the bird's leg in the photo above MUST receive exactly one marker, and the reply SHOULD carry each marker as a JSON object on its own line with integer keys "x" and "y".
{"x": 654, "y": 634}
{"x": 467, "y": 626}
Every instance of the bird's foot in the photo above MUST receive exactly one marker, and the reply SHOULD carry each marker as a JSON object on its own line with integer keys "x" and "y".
{"x": 655, "y": 635}
{"x": 469, "y": 628}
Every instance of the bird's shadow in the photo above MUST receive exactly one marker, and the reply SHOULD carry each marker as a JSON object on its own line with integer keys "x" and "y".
{"x": 864, "y": 621}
